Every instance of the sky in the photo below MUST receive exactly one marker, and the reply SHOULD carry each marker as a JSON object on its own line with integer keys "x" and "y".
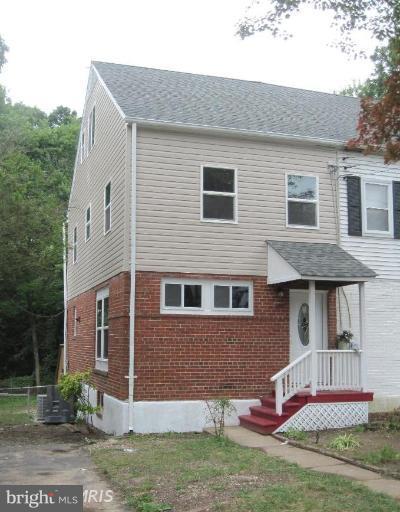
{"x": 53, "y": 41}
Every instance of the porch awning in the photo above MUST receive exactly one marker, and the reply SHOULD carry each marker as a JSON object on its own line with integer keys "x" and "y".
{"x": 292, "y": 261}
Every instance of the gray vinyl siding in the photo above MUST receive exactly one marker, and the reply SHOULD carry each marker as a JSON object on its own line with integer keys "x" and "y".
{"x": 170, "y": 234}
{"x": 103, "y": 256}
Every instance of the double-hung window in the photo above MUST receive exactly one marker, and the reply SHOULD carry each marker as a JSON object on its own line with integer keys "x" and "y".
{"x": 88, "y": 223}
{"x": 206, "y": 297}
{"x": 302, "y": 200}
{"x": 102, "y": 308}
{"x": 92, "y": 127}
{"x": 83, "y": 147}
{"x": 218, "y": 194}
{"x": 75, "y": 245}
{"x": 107, "y": 208}
{"x": 377, "y": 208}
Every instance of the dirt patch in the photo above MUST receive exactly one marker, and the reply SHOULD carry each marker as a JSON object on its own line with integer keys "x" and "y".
{"x": 39, "y": 433}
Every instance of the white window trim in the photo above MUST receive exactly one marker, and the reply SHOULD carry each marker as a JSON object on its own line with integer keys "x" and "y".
{"x": 372, "y": 232}
{"x": 101, "y": 362}
{"x": 207, "y": 298}
{"x": 90, "y": 145}
{"x": 88, "y": 223}
{"x": 314, "y": 201}
{"x": 235, "y": 194}
{"x": 75, "y": 320}
{"x": 75, "y": 245}
{"x": 82, "y": 145}
{"x": 109, "y": 206}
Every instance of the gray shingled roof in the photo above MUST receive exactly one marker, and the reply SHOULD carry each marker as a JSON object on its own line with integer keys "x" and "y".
{"x": 200, "y": 100}
{"x": 321, "y": 260}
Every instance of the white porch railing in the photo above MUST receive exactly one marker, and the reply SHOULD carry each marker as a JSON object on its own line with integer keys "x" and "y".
{"x": 336, "y": 370}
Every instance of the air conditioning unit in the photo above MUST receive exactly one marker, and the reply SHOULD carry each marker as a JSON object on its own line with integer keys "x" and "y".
{"x": 41, "y": 399}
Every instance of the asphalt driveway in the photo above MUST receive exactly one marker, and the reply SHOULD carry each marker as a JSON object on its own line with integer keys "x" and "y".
{"x": 53, "y": 454}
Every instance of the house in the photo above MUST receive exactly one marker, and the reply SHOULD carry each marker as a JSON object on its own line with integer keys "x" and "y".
{"x": 204, "y": 254}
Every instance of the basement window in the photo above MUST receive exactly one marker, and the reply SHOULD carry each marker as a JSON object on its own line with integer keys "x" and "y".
{"x": 102, "y": 308}
{"x": 206, "y": 297}
{"x": 219, "y": 194}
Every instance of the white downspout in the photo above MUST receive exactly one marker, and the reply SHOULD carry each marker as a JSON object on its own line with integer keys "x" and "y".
{"x": 131, "y": 373}
{"x": 64, "y": 235}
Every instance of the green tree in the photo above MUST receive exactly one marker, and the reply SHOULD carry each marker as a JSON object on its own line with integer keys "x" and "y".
{"x": 3, "y": 51}
{"x": 61, "y": 115}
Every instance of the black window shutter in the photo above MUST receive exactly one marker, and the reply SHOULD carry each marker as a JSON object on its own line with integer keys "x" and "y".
{"x": 396, "y": 209}
{"x": 354, "y": 206}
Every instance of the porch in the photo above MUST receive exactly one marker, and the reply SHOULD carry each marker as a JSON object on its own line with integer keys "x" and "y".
{"x": 316, "y": 374}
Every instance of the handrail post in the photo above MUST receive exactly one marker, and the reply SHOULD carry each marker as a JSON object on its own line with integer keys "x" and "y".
{"x": 278, "y": 396}
{"x": 312, "y": 334}
{"x": 363, "y": 338}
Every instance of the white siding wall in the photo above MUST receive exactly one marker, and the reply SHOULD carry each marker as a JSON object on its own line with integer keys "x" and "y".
{"x": 380, "y": 254}
{"x": 103, "y": 255}
{"x": 383, "y": 337}
{"x": 382, "y": 294}
{"x": 170, "y": 235}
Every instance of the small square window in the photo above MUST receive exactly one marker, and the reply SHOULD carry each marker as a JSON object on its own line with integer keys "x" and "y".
{"x": 240, "y": 297}
{"x": 192, "y": 297}
{"x": 173, "y": 295}
{"x": 221, "y": 296}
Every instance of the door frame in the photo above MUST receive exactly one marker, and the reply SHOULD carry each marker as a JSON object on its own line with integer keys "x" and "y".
{"x": 324, "y": 293}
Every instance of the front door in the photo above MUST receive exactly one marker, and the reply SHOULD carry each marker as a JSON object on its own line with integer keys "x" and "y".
{"x": 299, "y": 336}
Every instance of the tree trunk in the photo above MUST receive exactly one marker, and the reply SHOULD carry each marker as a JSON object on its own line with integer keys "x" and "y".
{"x": 35, "y": 347}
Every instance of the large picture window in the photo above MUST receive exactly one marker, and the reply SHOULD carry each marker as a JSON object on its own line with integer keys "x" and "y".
{"x": 218, "y": 194}
{"x": 102, "y": 308}
{"x": 206, "y": 297}
{"x": 377, "y": 207}
{"x": 302, "y": 201}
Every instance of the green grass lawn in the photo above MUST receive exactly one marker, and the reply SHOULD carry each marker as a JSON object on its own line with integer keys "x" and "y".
{"x": 196, "y": 472}
{"x": 14, "y": 410}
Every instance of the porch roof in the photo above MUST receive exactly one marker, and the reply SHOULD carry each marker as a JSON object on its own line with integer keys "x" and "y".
{"x": 291, "y": 261}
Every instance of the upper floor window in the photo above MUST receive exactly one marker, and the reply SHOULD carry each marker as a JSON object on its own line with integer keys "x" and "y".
{"x": 206, "y": 297}
{"x": 107, "y": 208}
{"x": 302, "y": 201}
{"x": 75, "y": 245}
{"x": 377, "y": 207}
{"x": 219, "y": 194}
{"x": 88, "y": 223}
{"x": 83, "y": 147}
{"x": 92, "y": 128}
{"x": 102, "y": 309}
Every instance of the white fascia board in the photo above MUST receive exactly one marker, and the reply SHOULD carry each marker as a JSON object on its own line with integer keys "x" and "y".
{"x": 279, "y": 270}
{"x": 279, "y": 137}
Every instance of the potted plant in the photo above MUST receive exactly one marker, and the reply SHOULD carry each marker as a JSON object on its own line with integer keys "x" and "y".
{"x": 343, "y": 340}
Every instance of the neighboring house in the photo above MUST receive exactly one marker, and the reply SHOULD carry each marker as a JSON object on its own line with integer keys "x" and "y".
{"x": 203, "y": 257}
{"x": 370, "y": 231}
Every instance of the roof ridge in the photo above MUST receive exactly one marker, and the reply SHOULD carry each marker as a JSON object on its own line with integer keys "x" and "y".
{"x": 257, "y": 82}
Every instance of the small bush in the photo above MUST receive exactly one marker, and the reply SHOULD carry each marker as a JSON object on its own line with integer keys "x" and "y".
{"x": 72, "y": 388}
{"x": 385, "y": 454}
{"x": 217, "y": 411}
{"x": 296, "y": 435}
{"x": 344, "y": 442}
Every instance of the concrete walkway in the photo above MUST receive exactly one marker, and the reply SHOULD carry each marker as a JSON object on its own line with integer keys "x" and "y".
{"x": 314, "y": 461}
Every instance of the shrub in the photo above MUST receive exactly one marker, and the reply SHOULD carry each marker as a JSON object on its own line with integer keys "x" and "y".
{"x": 296, "y": 435}
{"x": 344, "y": 442}
{"x": 217, "y": 411}
{"x": 72, "y": 388}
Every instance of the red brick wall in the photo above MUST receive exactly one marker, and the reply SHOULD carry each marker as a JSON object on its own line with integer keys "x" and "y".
{"x": 186, "y": 356}
{"x": 81, "y": 349}
{"x": 194, "y": 357}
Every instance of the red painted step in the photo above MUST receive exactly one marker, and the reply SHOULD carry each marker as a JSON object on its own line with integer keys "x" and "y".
{"x": 257, "y": 424}
{"x": 264, "y": 419}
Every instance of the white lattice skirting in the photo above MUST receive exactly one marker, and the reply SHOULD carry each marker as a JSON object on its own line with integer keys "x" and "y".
{"x": 325, "y": 416}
